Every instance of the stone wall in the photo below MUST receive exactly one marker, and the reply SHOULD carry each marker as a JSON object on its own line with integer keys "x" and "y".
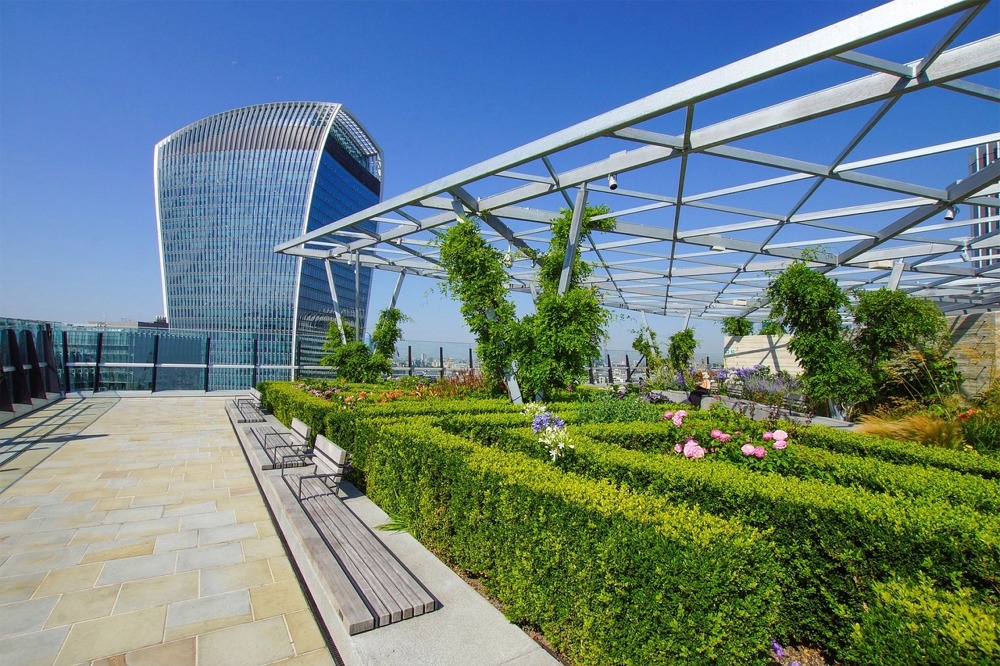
{"x": 749, "y": 350}
{"x": 976, "y": 339}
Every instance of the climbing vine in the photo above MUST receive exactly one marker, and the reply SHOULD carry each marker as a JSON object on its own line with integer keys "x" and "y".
{"x": 551, "y": 347}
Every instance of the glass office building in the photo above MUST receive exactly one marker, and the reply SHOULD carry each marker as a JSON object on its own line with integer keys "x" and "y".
{"x": 231, "y": 187}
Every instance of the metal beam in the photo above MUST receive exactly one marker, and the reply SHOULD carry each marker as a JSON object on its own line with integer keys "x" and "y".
{"x": 574, "y": 240}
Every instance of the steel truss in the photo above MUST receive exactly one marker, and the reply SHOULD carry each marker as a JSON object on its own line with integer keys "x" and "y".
{"x": 681, "y": 248}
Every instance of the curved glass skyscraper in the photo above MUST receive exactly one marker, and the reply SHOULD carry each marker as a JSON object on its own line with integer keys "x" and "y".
{"x": 228, "y": 189}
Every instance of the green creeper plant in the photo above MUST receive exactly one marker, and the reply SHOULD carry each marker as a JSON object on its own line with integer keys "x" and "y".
{"x": 353, "y": 360}
{"x": 657, "y": 367}
{"x": 808, "y": 304}
{"x": 737, "y": 326}
{"x": 553, "y": 346}
{"x": 681, "y": 349}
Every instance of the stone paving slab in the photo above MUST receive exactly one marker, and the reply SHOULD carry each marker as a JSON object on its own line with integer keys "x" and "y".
{"x": 132, "y": 532}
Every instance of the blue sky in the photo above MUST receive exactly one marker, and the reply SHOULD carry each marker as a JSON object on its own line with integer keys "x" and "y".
{"x": 87, "y": 89}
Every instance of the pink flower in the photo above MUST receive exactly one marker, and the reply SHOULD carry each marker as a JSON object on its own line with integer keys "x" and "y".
{"x": 679, "y": 418}
{"x": 678, "y": 448}
{"x": 747, "y": 449}
{"x": 780, "y": 435}
{"x": 759, "y": 451}
{"x": 780, "y": 444}
{"x": 768, "y": 436}
{"x": 681, "y": 413}
{"x": 725, "y": 437}
{"x": 716, "y": 433}
{"x": 667, "y": 415}
{"x": 693, "y": 450}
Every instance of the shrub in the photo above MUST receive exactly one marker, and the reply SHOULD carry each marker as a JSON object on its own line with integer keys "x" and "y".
{"x": 607, "y": 407}
{"x": 913, "y": 623}
{"x": 908, "y": 453}
{"x": 834, "y": 543}
{"x": 981, "y": 431}
{"x": 609, "y": 576}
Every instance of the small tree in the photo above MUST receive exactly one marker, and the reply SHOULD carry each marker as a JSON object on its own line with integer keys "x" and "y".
{"x": 388, "y": 331}
{"x": 354, "y": 360}
{"x": 771, "y": 327}
{"x": 807, "y": 303}
{"x": 656, "y": 365}
{"x": 681, "y": 349}
{"x": 553, "y": 346}
{"x": 736, "y": 326}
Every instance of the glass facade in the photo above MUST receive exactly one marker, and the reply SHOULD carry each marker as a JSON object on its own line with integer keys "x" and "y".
{"x": 986, "y": 154}
{"x": 231, "y": 187}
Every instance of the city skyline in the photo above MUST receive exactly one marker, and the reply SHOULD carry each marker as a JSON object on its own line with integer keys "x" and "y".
{"x": 438, "y": 99}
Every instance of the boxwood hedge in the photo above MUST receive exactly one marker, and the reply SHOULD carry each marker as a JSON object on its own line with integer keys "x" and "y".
{"x": 609, "y": 576}
{"x": 834, "y": 543}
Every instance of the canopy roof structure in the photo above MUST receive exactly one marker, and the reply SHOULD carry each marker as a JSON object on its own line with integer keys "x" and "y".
{"x": 715, "y": 191}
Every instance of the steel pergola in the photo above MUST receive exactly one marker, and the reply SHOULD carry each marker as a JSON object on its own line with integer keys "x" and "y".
{"x": 717, "y": 192}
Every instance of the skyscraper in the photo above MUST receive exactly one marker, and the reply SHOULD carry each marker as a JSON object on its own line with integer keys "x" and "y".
{"x": 986, "y": 154}
{"x": 228, "y": 189}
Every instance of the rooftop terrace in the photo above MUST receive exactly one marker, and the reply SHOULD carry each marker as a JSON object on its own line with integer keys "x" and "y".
{"x": 132, "y": 530}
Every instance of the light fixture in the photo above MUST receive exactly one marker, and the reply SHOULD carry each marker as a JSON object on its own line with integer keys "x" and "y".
{"x": 965, "y": 253}
{"x": 613, "y": 181}
{"x": 718, "y": 248}
{"x": 951, "y": 213}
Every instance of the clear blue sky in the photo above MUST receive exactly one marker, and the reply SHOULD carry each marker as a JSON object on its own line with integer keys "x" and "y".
{"x": 87, "y": 89}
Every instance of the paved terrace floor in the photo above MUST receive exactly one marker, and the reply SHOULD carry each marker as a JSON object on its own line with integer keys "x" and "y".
{"x": 132, "y": 532}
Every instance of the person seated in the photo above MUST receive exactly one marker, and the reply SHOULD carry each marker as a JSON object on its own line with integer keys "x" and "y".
{"x": 701, "y": 389}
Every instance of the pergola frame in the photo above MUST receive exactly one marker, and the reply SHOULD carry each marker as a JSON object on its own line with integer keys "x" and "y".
{"x": 679, "y": 251}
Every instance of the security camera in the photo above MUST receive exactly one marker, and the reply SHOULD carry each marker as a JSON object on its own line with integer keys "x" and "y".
{"x": 613, "y": 181}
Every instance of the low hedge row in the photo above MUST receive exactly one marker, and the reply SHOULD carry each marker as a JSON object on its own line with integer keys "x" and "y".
{"x": 834, "y": 543}
{"x": 907, "y": 453}
{"x": 808, "y": 462}
{"x": 609, "y": 576}
{"x": 352, "y": 427}
{"x": 914, "y": 623}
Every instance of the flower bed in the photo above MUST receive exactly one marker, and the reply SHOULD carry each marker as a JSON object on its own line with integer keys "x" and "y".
{"x": 564, "y": 540}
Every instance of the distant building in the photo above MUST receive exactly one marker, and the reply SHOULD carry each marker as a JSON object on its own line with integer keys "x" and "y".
{"x": 231, "y": 187}
{"x": 986, "y": 154}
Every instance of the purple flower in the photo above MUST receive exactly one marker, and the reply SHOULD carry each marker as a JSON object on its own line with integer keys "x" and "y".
{"x": 546, "y": 420}
{"x": 779, "y": 652}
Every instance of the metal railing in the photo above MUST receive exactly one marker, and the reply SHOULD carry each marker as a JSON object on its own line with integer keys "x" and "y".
{"x": 47, "y": 357}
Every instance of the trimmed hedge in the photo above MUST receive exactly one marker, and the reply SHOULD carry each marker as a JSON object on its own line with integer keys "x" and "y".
{"x": 609, "y": 576}
{"x": 807, "y": 462}
{"x": 906, "y": 453}
{"x": 352, "y": 428}
{"x": 913, "y": 623}
{"x": 834, "y": 543}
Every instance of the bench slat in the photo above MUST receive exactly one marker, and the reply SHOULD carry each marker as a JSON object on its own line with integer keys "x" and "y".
{"x": 388, "y": 586}
{"x": 404, "y": 590}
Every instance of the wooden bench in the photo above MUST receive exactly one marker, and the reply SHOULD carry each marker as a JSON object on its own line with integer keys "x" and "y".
{"x": 246, "y": 410}
{"x": 386, "y": 590}
{"x": 734, "y": 390}
{"x": 795, "y": 404}
{"x": 282, "y": 445}
{"x": 329, "y": 462}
